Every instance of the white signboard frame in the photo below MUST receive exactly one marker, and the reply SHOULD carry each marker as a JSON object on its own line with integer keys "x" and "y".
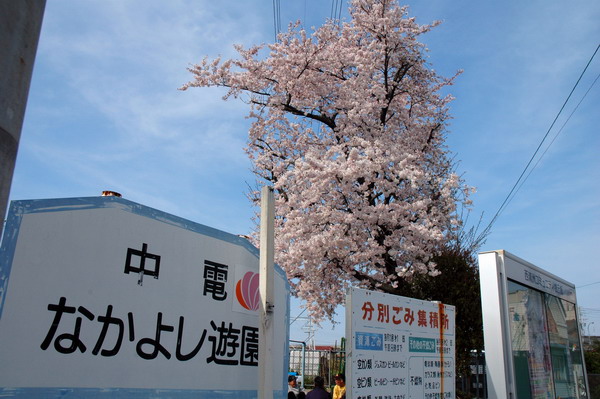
{"x": 399, "y": 347}
{"x": 103, "y": 297}
{"x": 497, "y": 269}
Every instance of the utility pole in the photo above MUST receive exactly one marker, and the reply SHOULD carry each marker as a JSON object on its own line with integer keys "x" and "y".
{"x": 20, "y": 26}
{"x": 267, "y": 261}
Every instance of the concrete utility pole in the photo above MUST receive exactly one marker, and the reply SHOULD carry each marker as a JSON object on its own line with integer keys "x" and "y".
{"x": 20, "y": 26}
{"x": 267, "y": 260}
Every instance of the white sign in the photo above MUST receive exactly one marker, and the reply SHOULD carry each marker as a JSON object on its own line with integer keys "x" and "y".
{"x": 400, "y": 348}
{"x": 102, "y": 294}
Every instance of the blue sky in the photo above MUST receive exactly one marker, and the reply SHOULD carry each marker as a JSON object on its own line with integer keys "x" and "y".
{"x": 104, "y": 113}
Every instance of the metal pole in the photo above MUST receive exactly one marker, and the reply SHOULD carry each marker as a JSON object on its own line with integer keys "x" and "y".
{"x": 302, "y": 368}
{"x": 267, "y": 259}
{"x": 329, "y": 369}
{"x": 303, "y": 365}
{"x": 477, "y": 370}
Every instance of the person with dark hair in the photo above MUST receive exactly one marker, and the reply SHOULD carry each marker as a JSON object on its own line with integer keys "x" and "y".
{"x": 319, "y": 392}
{"x": 293, "y": 390}
{"x": 339, "y": 391}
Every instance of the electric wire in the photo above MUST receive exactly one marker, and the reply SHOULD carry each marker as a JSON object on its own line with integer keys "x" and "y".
{"x": 503, "y": 206}
{"x": 304, "y": 310}
{"x": 277, "y": 17}
{"x": 587, "y": 285}
{"x": 336, "y": 10}
{"x": 333, "y": 2}
{"x": 590, "y": 310}
{"x": 510, "y": 194}
{"x": 554, "y": 138}
{"x": 304, "y": 17}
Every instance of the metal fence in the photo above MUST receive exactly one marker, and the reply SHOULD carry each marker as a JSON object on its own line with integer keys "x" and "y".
{"x": 324, "y": 362}
{"x": 474, "y": 386}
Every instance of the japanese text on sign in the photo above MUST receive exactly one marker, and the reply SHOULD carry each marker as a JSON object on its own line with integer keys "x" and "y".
{"x": 398, "y": 315}
{"x": 228, "y": 345}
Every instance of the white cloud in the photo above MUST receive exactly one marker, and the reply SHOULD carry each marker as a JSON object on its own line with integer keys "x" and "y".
{"x": 122, "y": 63}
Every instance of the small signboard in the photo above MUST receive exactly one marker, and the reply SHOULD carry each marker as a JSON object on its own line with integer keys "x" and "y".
{"x": 398, "y": 347}
{"x": 102, "y": 297}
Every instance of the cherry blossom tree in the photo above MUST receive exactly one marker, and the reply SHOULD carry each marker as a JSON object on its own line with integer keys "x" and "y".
{"x": 349, "y": 128}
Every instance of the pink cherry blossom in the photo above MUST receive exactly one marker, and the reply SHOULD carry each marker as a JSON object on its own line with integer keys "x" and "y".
{"x": 349, "y": 128}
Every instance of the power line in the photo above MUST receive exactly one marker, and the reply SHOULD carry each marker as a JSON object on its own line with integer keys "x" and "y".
{"x": 304, "y": 16}
{"x": 505, "y": 202}
{"x": 333, "y": 2}
{"x": 298, "y": 316}
{"x": 277, "y": 17}
{"x": 336, "y": 10}
{"x": 508, "y": 197}
{"x": 585, "y": 285}
{"x": 555, "y": 136}
{"x": 591, "y": 310}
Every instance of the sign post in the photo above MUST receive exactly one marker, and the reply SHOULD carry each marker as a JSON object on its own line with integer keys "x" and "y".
{"x": 267, "y": 255}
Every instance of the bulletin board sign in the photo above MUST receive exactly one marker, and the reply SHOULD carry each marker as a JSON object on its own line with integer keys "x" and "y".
{"x": 102, "y": 297}
{"x": 399, "y": 347}
{"x": 533, "y": 344}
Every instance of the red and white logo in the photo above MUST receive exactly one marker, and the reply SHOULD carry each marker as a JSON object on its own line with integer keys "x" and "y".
{"x": 247, "y": 291}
